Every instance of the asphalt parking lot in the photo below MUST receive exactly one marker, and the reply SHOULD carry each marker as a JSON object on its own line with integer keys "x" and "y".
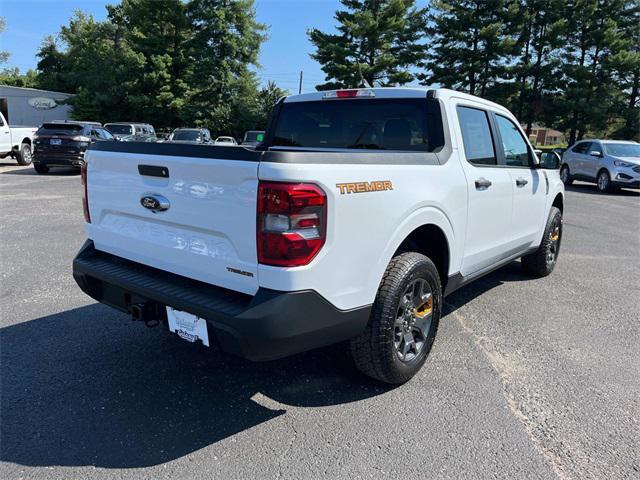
{"x": 527, "y": 378}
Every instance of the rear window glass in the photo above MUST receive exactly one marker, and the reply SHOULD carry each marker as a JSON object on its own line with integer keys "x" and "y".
{"x": 60, "y": 129}
{"x": 385, "y": 124}
{"x": 187, "y": 135}
{"x": 120, "y": 129}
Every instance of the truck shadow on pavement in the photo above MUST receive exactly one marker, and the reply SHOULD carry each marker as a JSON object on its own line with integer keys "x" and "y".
{"x": 89, "y": 387}
{"x": 54, "y": 172}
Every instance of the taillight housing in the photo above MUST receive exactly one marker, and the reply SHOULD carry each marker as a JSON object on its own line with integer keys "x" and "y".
{"x": 85, "y": 198}
{"x": 291, "y": 223}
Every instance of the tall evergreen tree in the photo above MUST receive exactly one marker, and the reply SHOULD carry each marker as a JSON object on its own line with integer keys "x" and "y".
{"x": 379, "y": 41}
{"x": 159, "y": 30}
{"x": 625, "y": 65}
{"x": 226, "y": 39}
{"x": 594, "y": 38}
{"x": 471, "y": 44}
{"x": 53, "y": 67}
{"x": 543, "y": 29}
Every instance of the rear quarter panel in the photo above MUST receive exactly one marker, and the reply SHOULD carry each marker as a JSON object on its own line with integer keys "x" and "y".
{"x": 365, "y": 229}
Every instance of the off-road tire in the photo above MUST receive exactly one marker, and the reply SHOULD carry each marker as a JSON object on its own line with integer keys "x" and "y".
{"x": 23, "y": 156}
{"x": 41, "y": 169}
{"x": 374, "y": 351}
{"x": 537, "y": 263}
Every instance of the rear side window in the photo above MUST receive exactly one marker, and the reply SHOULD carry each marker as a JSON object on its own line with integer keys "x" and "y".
{"x": 476, "y": 136}
{"x": 413, "y": 125}
{"x": 516, "y": 151}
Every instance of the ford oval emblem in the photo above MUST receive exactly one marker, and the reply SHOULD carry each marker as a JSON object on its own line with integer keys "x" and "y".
{"x": 155, "y": 203}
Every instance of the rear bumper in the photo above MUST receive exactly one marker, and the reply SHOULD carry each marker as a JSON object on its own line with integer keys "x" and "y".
{"x": 266, "y": 326}
{"x": 58, "y": 160}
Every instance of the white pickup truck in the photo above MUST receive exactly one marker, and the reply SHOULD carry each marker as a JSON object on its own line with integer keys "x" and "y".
{"x": 16, "y": 142}
{"x": 352, "y": 220}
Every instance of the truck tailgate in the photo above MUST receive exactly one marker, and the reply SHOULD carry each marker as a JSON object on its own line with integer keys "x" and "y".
{"x": 208, "y": 230}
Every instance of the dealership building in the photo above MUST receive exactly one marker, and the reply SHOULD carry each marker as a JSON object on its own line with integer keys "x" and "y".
{"x": 31, "y": 107}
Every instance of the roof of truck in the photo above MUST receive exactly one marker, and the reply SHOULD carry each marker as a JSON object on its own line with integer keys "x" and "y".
{"x": 398, "y": 92}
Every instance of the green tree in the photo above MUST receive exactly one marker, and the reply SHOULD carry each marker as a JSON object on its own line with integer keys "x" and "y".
{"x": 4, "y": 55}
{"x": 225, "y": 41}
{"x": 542, "y": 35}
{"x": 102, "y": 69}
{"x": 268, "y": 96}
{"x": 53, "y": 67}
{"x": 159, "y": 30}
{"x": 625, "y": 65}
{"x": 594, "y": 40}
{"x": 13, "y": 78}
{"x": 471, "y": 44}
{"x": 379, "y": 41}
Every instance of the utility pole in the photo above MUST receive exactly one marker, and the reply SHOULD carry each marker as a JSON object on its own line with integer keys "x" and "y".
{"x": 300, "y": 85}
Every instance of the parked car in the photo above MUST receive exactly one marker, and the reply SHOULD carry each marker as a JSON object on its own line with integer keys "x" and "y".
{"x": 253, "y": 138}
{"x": 365, "y": 208}
{"x": 225, "y": 141}
{"x": 16, "y": 142}
{"x": 132, "y": 132}
{"x": 63, "y": 144}
{"x": 610, "y": 164}
{"x": 190, "y": 135}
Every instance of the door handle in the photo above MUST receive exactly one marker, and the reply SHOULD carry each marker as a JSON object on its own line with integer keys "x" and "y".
{"x": 521, "y": 182}
{"x": 482, "y": 184}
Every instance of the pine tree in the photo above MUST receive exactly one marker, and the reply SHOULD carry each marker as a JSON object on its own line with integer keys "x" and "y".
{"x": 625, "y": 65}
{"x": 543, "y": 29}
{"x": 594, "y": 38}
{"x": 226, "y": 39}
{"x": 379, "y": 41}
{"x": 471, "y": 44}
{"x": 159, "y": 30}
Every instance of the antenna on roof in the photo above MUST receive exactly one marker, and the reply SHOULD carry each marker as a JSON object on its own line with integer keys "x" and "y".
{"x": 363, "y": 81}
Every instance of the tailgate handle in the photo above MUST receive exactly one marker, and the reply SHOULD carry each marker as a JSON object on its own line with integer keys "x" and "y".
{"x": 153, "y": 171}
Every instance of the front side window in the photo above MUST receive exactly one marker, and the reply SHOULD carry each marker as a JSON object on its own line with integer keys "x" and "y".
{"x": 476, "y": 136}
{"x": 581, "y": 147}
{"x": 516, "y": 150}
{"x": 412, "y": 125}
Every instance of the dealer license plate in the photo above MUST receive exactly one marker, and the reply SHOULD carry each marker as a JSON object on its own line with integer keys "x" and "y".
{"x": 188, "y": 326}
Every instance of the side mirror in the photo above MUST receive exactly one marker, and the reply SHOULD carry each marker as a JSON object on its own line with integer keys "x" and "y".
{"x": 550, "y": 161}
{"x": 596, "y": 153}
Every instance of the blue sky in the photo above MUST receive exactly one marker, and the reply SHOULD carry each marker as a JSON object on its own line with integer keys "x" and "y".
{"x": 282, "y": 56}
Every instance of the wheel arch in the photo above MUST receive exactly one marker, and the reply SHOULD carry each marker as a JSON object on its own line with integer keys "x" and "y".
{"x": 431, "y": 241}
{"x": 415, "y": 226}
{"x": 558, "y": 202}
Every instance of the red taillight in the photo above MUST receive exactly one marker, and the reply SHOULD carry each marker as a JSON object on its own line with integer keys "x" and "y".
{"x": 291, "y": 223}
{"x": 85, "y": 198}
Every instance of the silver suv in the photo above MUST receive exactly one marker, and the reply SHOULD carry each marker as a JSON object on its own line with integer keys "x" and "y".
{"x": 609, "y": 163}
